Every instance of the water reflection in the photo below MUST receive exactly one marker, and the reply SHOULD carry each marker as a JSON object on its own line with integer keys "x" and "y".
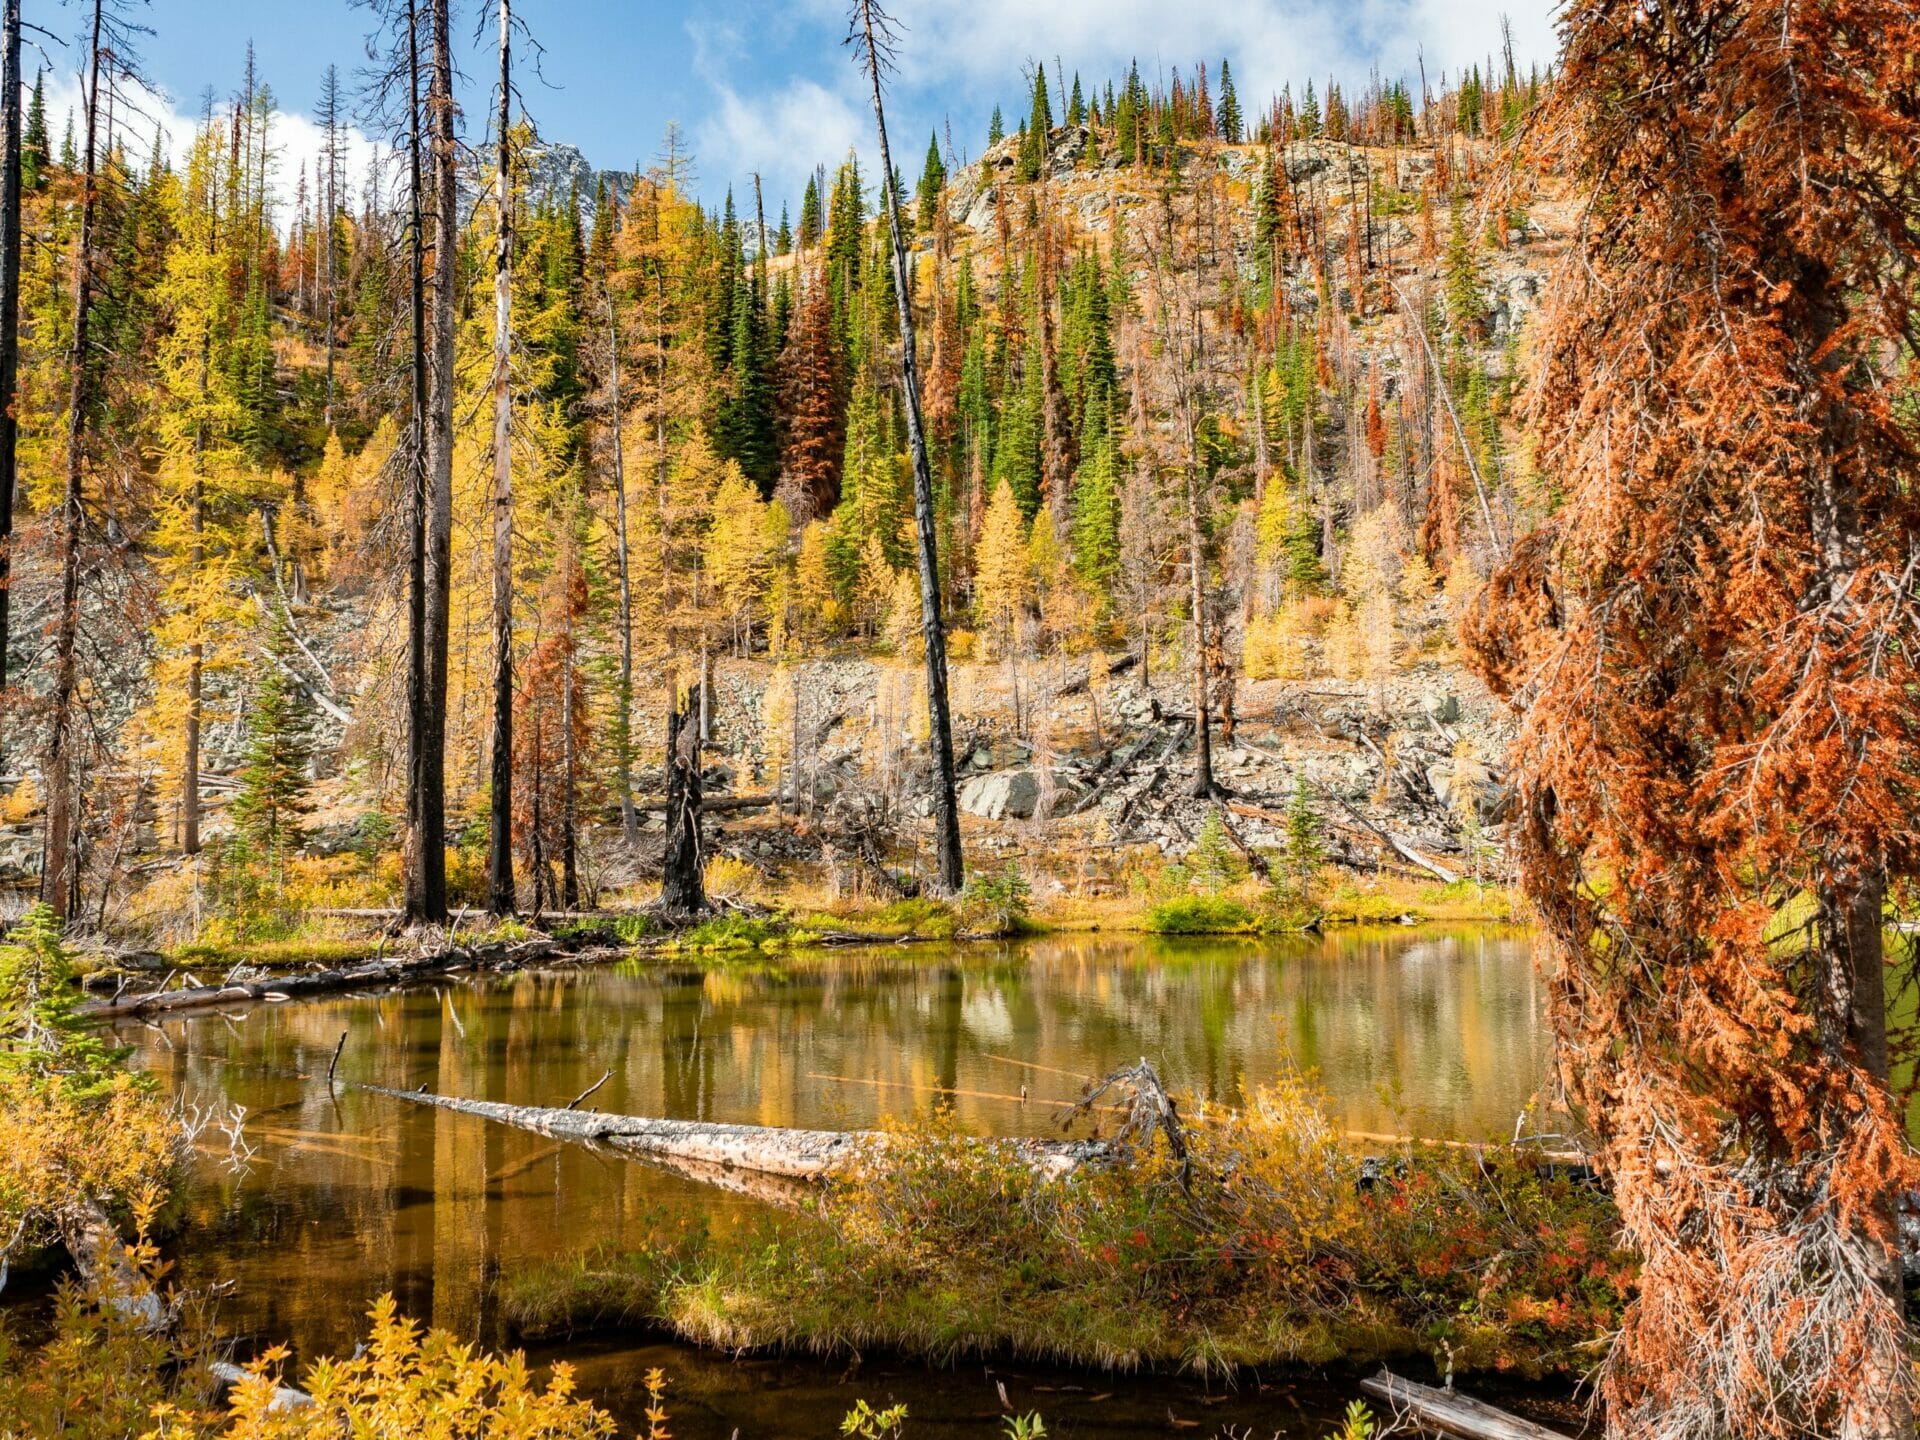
{"x": 1440, "y": 1033}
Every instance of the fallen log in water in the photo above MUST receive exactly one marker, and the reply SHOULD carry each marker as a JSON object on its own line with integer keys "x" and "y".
{"x": 764, "y": 1149}
{"x": 1446, "y": 1413}
{"x": 397, "y": 971}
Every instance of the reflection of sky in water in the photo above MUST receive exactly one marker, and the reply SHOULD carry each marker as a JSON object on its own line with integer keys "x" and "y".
{"x": 1440, "y": 1034}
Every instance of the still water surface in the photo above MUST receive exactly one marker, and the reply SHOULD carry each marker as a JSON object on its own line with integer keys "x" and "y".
{"x": 1425, "y": 1031}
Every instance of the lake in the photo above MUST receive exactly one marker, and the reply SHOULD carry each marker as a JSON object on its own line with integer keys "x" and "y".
{"x": 1423, "y": 1031}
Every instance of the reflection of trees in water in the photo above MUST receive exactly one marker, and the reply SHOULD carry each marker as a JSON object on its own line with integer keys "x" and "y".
{"x": 431, "y": 1205}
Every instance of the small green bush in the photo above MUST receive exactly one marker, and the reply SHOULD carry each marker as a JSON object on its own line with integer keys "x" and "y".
{"x": 919, "y": 916}
{"x": 1201, "y": 915}
{"x": 997, "y": 902}
{"x": 733, "y": 932}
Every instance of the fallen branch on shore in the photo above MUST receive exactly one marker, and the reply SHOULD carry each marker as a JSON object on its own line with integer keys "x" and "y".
{"x": 763, "y": 1149}
{"x": 399, "y": 971}
{"x": 1446, "y": 1413}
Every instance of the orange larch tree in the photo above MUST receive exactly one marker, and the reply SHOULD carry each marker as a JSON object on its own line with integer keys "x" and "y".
{"x": 1712, "y": 646}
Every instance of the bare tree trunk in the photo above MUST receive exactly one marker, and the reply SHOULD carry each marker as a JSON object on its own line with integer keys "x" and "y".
{"x": 569, "y": 766}
{"x": 56, "y": 878}
{"x": 9, "y": 307}
{"x": 417, "y": 667}
{"x": 330, "y": 102}
{"x": 629, "y": 817}
{"x": 1197, "y": 597}
{"x": 946, "y": 809}
{"x": 500, "y": 897}
{"x": 427, "y": 877}
{"x": 681, "y": 889}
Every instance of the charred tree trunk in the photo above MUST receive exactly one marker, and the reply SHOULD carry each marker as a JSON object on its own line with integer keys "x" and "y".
{"x": 56, "y": 877}
{"x": 946, "y": 809}
{"x": 682, "y": 891}
{"x": 416, "y": 898}
{"x": 569, "y": 749}
{"x": 500, "y": 897}
{"x": 629, "y": 817}
{"x": 9, "y": 306}
{"x": 427, "y": 877}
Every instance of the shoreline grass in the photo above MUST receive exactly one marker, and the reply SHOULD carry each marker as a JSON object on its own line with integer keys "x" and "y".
{"x": 1284, "y": 1244}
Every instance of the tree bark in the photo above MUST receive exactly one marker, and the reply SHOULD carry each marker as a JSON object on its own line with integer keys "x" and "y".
{"x": 427, "y": 878}
{"x": 10, "y": 78}
{"x": 500, "y": 896}
{"x": 414, "y": 865}
{"x": 56, "y": 877}
{"x": 946, "y": 809}
{"x": 1196, "y": 595}
{"x": 682, "y": 891}
{"x": 629, "y": 818}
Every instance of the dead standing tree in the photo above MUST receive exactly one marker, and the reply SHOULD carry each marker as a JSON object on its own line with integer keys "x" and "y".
{"x": 1711, "y": 647}
{"x": 108, "y": 59}
{"x": 500, "y": 892}
{"x": 1180, "y": 321}
{"x": 872, "y": 34}
{"x": 682, "y": 891}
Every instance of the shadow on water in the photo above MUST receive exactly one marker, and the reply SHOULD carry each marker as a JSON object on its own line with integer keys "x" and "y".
{"x": 1429, "y": 1031}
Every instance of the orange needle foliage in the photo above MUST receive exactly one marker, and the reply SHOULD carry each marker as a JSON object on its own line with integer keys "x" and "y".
{"x": 1712, "y": 646}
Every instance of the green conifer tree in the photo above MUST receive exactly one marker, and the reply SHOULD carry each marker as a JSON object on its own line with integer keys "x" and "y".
{"x": 1229, "y": 111}
{"x": 933, "y": 179}
{"x": 269, "y": 814}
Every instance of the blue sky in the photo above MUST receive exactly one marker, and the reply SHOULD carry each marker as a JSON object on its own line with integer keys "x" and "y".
{"x": 770, "y": 87}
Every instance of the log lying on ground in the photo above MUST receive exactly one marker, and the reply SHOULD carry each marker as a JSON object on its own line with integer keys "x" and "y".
{"x": 712, "y": 804}
{"x": 346, "y": 977}
{"x": 764, "y": 1149}
{"x": 105, "y": 1263}
{"x": 1445, "y": 1413}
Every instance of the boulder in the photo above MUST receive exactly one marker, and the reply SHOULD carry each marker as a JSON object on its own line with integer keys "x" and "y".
{"x": 1001, "y": 795}
{"x": 1013, "y": 794}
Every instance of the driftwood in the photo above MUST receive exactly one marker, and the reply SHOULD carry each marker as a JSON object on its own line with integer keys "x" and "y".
{"x": 93, "y": 1242}
{"x": 399, "y": 971}
{"x": 1443, "y": 1412}
{"x": 1403, "y": 849}
{"x": 1078, "y": 683}
{"x": 762, "y": 1149}
{"x": 712, "y": 804}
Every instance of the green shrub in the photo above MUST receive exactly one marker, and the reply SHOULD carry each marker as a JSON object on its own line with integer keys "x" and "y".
{"x": 997, "y": 902}
{"x": 919, "y": 916}
{"x": 733, "y": 932}
{"x": 1201, "y": 915}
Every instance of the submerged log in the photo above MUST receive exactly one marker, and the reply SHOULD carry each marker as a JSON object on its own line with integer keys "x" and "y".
{"x": 1445, "y": 1413}
{"x": 763, "y": 1149}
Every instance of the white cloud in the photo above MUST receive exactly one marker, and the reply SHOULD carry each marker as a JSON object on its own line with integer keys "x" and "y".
{"x": 296, "y": 138}
{"x": 988, "y": 43}
{"x": 781, "y": 135}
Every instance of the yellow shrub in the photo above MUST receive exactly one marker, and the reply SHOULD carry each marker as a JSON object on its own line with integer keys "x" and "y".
{"x": 23, "y": 804}
{"x": 728, "y": 878}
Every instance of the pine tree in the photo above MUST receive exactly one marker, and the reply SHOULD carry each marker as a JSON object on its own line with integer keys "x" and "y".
{"x": 996, "y": 128}
{"x": 34, "y": 158}
{"x": 1229, "y": 111}
{"x": 270, "y": 810}
{"x": 933, "y": 178}
{"x": 810, "y": 227}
